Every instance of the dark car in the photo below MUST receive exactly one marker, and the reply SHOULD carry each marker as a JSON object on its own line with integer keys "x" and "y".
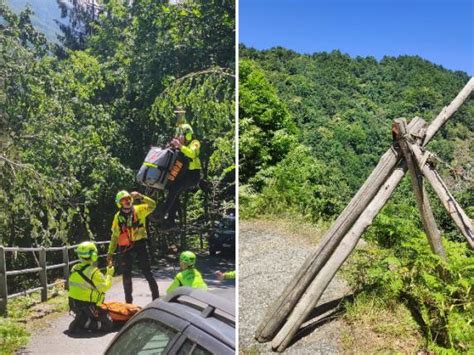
{"x": 223, "y": 237}
{"x": 189, "y": 321}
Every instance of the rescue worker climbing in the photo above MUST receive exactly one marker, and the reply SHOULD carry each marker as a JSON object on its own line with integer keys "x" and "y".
{"x": 190, "y": 148}
{"x": 189, "y": 275}
{"x": 129, "y": 233}
{"x": 87, "y": 287}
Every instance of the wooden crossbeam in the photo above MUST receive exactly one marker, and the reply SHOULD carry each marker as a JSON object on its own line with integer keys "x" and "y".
{"x": 422, "y": 201}
{"x": 455, "y": 211}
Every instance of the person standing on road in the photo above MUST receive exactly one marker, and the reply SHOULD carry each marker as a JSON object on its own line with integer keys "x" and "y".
{"x": 129, "y": 233}
{"x": 87, "y": 287}
{"x": 189, "y": 275}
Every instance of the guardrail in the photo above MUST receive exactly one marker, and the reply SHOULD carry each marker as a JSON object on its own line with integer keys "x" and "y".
{"x": 42, "y": 269}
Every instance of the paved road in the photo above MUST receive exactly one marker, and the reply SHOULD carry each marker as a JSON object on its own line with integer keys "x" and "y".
{"x": 52, "y": 340}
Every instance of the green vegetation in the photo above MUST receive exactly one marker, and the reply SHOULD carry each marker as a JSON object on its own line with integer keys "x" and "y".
{"x": 76, "y": 126}
{"x": 336, "y": 114}
{"x": 26, "y": 313}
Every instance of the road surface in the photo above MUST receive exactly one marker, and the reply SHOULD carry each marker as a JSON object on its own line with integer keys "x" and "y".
{"x": 268, "y": 258}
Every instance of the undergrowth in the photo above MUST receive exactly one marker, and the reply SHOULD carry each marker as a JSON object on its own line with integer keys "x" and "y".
{"x": 397, "y": 266}
{"x": 22, "y": 311}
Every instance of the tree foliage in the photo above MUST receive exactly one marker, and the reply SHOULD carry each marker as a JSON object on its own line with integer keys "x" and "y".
{"x": 77, "y": 123}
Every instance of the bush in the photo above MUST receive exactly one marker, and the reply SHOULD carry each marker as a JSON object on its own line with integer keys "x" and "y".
{"x": 439, "y": 294}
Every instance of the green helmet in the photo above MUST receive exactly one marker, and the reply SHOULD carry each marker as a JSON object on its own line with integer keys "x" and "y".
{"x": 188, "y": 258}
{"x": 187, "y": 131}
{"x": 87, "y": 251}
{"x": 120, "y": 195}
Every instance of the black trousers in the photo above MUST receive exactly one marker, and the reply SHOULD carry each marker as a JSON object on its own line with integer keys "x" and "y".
{"x": 89, "y": 316}
{"x": 189, "y": 179}
{"x": 137, "y": 251}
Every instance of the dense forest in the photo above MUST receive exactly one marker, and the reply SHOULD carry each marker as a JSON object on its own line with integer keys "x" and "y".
{"x": 312, "y": 128}
{"x": 78, "y": 116}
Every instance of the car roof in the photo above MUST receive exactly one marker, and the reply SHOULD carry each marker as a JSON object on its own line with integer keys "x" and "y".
{"x": 206, "y": 311}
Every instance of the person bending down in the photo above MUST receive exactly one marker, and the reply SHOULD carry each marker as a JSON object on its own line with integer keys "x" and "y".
{"x": 189, "y": 275}
{"x": 87, "y": 287}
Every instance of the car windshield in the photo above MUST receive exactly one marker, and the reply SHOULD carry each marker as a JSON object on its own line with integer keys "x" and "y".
{"x": 144, "y": 338}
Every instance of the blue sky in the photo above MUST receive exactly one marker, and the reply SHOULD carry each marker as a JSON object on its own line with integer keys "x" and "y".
{"x": 441, "y": 31}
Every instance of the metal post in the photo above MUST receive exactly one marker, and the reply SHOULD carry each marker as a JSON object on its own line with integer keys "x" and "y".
{"x": 43, "y": 276}
{"x": 3, "y": 282}
{"x": 66, "y": 267}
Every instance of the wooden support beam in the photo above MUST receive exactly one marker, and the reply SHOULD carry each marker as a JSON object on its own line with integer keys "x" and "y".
{"x": 448, "y": 111}
{"x": 422, "y": 201}
{"x": 279, "y": 311}
{"x": 460, "y": 218}
{"x": 314, "y": 292}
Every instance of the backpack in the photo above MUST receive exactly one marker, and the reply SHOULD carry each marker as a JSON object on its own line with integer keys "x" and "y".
{"x": 120, "y": 312}
{"x": 160, "y": 167}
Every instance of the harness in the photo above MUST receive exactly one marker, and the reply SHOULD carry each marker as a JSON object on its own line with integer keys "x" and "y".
{"x": 89, "y": 281}
{"x": 127, "y": 222}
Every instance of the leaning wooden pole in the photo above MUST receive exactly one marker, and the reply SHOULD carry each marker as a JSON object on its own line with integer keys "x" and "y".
{"x": 422, "y": 201}
{"x": 282, "y": 307}
{"x": 448, "y": 111}
{"x": 279, "y": 311}
{"x": 314, "y": 292}
{"x": 460, "y": 218}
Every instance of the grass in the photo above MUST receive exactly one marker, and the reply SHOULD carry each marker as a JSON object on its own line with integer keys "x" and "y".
{"x": 26, "y": 312}
{"x": 377, "y": 327}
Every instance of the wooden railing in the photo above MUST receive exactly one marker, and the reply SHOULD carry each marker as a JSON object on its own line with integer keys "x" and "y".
{"x": 41, "y": 269}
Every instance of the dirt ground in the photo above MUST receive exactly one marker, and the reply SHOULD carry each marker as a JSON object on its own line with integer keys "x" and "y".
{"x": 269, "y": 255}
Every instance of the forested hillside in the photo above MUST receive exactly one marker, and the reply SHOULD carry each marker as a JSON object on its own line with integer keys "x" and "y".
{"x": 78, "y": 118}
{"x": 312, "y": 128}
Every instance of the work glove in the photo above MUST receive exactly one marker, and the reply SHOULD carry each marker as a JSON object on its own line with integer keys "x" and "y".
{"x": 110, "y": 271}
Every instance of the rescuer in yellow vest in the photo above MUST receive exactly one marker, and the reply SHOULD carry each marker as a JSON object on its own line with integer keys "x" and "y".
{"x": 189, "y": 275}
{"x": 190, "y": 148}
{"x": 87, "y": 287}
{"x": 129, "y": 233}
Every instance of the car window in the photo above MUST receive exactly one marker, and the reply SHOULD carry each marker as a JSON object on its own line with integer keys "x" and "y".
{"x": 144, "y": 338}
{"x": 190, "y": 347}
